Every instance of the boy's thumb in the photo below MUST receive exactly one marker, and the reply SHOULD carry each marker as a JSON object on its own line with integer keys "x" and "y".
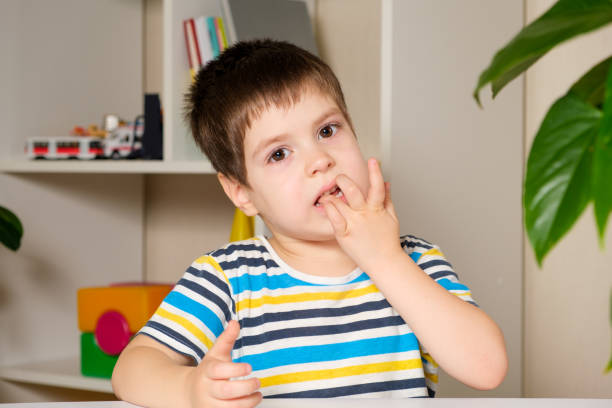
{"x": 222, "y": 349}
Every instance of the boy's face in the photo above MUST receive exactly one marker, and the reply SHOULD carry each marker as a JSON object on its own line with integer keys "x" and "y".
{"x": 292, "y": 157}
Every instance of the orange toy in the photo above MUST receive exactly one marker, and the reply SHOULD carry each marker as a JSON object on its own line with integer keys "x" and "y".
{"x": 108, "y": 318}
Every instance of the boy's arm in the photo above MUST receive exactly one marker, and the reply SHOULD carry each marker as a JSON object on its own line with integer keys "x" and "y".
{"x": 460, "y": 337}
{"x": 152, "y": 375}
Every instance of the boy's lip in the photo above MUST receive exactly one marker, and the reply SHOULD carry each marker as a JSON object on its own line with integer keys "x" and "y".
{"x": 332, "y": 184}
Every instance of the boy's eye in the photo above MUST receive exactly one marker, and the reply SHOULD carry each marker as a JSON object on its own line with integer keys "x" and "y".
{"x": 328, "y": 131}
{"x": 280, "y": 154}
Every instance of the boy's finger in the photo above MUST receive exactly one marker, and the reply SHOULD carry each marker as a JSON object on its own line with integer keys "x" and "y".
{"x": 222, "y": 349}
{"x": 336, "y": 219}
{"x": 247, "y": 402}
{"x": 229, "y": 390}
{"x": 351, "y": 192}
{"x": 376, "y": 193}
{"x": 223, "y": 370}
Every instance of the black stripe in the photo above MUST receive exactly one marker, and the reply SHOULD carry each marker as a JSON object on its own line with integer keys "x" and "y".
{"x": 200, "y": 290}
{"x": 318, "y": 330}
{"x": 230, "y": 249}
{"x": 409, "y": 240}
{"x": 434, "y": 262}
{"x": 311, "y": 313}
{"x": 442, "y": 274}
{"x": 252, "y": 262}
{"x": 212, "y": 278}
{"x": 355, "y": 389}
{"x": 431, "y": 392}
{"x": 176, "y": 336}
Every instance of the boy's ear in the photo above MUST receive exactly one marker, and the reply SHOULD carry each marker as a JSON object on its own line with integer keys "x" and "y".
{"x": 238, "y": 193}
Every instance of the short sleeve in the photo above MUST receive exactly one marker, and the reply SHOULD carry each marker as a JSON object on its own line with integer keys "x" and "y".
{"x": 431, "y": 260}
{"x": 195, "y": 312}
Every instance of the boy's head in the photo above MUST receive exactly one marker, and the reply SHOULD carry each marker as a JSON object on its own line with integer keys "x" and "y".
{"x": 247, "y": 79}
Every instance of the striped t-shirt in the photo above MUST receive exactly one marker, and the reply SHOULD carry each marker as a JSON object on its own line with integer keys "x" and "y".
{"x": 303, "y": 335}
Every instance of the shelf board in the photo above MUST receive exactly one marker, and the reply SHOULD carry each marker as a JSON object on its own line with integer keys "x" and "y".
{"x": 64, "y": 373}
{"x": 107, "y": 166}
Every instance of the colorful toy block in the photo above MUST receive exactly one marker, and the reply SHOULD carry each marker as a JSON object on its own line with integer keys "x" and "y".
{"x": 109, "y": 316}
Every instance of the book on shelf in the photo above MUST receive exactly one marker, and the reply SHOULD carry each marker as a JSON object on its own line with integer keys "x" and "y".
{"x": 206, "y": 51}
{"x": 193, "y": 54}
{"x": 221, "y": 37}
{"x": 205, "y": 39}
{"x": 212, "y": 31}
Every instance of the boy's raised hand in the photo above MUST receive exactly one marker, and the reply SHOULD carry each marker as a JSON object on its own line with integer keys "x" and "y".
{"x": 209, "y": 385}
{"x": 367, "y": 228}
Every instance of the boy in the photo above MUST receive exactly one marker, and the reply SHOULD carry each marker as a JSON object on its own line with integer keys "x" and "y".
{"x": 332, "y": 303}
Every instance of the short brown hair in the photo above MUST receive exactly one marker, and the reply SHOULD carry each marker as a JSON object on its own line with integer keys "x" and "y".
{"x": 245, "y": 80}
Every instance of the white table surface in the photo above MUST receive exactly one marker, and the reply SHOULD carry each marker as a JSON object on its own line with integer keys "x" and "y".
{"x": 369, "y": 403}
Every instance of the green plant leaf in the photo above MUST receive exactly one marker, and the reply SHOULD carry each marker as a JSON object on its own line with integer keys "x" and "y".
{"x": 564, "y": 20}
{"x": 11, "y": 229}
{"x": 602, "y": 165}
{"x": 558, "y": 178}
{"x": 590, "y": 88}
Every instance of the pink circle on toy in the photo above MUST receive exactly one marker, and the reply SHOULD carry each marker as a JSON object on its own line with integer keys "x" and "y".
{"x": 112, "y": 332}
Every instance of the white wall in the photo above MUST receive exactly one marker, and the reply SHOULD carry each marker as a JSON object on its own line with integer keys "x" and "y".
{"x": 567, "y": 323}
{"x": 58, "y": 59}
{"x": 456, "y": 169}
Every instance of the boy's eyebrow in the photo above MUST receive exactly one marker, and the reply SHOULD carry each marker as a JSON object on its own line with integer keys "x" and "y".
{"x": 264, "y": 143}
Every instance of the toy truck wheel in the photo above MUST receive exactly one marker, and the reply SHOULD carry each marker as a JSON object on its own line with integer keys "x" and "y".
{"x": 115, "y": 155}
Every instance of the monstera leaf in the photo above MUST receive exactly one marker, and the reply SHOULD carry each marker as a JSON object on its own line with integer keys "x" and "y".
{"x": 570, "y": 161}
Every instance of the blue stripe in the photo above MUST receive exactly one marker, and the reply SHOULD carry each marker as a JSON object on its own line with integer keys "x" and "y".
{"x": 356, "y": 389}
{"x": 258, "y": 282}
{"x": 254, "y": 283}
{"x": 207, "y": 294}
{"x": 201, "y": 312}
{"x": 330, "y": 352}
{"x": 363, "y": 277}
{"x": 415, "y": 256}
{"x": 449, "y": 285}
{"x": 310, "y": 313}
{"x": 318, "y": 330}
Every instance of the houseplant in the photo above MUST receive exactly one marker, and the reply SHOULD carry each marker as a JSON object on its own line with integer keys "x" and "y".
{"x": 570, "y": 161}
{"x": 11, "y": 229}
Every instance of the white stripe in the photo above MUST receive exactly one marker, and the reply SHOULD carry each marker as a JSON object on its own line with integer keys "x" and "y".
{"x": 328, "y": 365}
{"x": 352, "y": 380}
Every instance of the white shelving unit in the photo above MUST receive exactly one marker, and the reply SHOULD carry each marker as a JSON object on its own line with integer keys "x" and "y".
{"x": 64, "y": 373}
{"x": 107, "y": 166}
{"x": 91, "y": 197}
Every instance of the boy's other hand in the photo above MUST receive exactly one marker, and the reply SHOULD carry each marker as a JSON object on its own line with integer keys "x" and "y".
{"x": 210, "y": 384}
{"x": 366, "y": 228}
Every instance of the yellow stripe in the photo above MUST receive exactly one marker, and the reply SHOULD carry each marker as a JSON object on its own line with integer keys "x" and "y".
{"x": 303, "y": 297}
{"x": 211, "y": 261}
{"x": 430, "y": 359}
{"x": 432, "y": 377}
{"x": 340, "y": 372}
{"x": 187, "y": 325}
{"x": 433, "y": 251}
{"x": 462, "y": 294}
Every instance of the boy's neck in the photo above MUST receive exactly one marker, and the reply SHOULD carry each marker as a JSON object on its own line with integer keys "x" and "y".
{"x": 319, "y": 258}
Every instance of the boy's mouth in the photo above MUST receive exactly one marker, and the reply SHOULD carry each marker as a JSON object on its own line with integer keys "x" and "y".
{"x": 335, "y": 190}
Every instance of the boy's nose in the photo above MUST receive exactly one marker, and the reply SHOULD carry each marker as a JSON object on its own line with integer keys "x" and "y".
{"x": 320, "y": 161}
